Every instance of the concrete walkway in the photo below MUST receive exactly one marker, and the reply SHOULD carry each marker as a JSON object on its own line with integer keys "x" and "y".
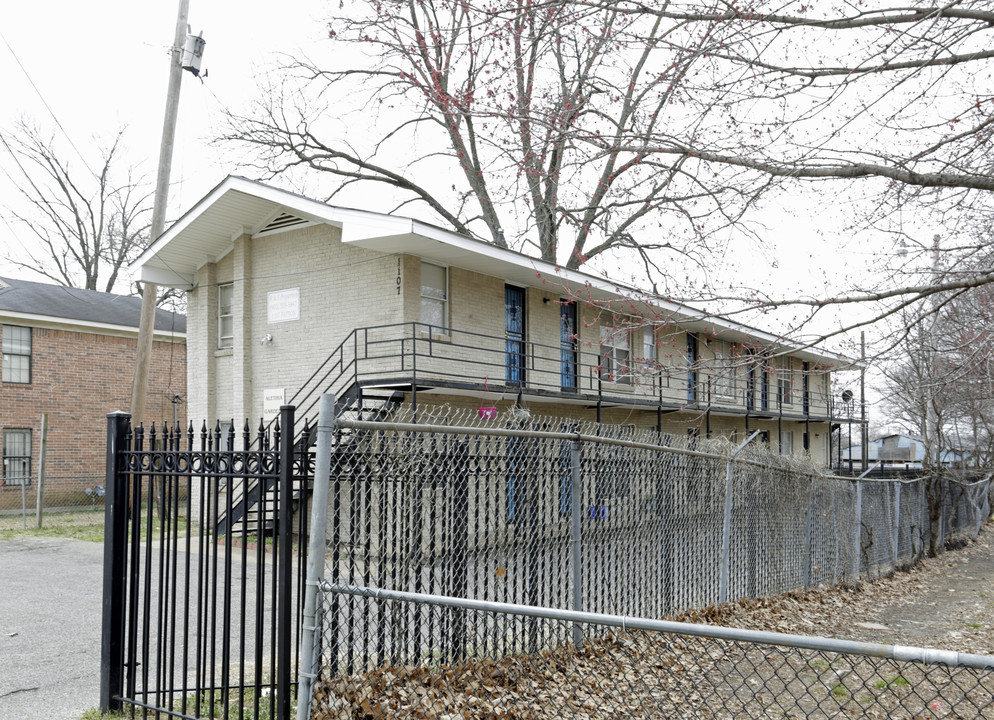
{"x": 50, "y": 609}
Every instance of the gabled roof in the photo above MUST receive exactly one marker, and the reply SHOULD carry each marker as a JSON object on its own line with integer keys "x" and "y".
{"x": 34, "y": 303}
{"x": 238, "y": 206}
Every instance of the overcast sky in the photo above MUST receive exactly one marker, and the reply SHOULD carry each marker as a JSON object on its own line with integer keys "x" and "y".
{"x": 98, "y": 66}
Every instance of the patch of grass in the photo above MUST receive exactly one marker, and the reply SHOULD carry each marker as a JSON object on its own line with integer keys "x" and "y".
{"x": 84, "y": 525}
{"x": 819, "y": 665}
{"x": 898, "y": 681}
{"x": 213, "y": 707}
{"x": 840, "y": 691}
{"x": 974, "y": 625}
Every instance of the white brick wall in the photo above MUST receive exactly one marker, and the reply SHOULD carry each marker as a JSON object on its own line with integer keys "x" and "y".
{"x": 343, "y": 287}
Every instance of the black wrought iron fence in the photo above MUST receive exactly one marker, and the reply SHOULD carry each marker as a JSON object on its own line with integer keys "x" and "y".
{"x": 199, "y": 623}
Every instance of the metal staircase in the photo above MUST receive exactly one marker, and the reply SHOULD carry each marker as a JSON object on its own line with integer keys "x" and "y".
{"x": 337, "y": 375}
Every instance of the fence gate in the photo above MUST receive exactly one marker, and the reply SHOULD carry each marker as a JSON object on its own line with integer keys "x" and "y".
{"x": 203, "y": 569}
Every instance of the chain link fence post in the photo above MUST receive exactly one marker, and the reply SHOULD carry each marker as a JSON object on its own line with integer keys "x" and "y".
{"x": 808, "y": 520}
{"x": 726, "y": 525}
{"x": 310, "y": 639}
{"x": 897, "y": 522}
{"x": 577, "y": 546}
{"x": 858, "y": 532}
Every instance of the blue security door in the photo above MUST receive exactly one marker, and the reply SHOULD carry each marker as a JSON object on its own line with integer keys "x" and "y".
{"x": 514, "y": 332}
{"x": 567, "y": 345}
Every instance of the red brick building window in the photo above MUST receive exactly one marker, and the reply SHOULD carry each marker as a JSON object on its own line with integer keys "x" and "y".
{"x": 16, "y": 354}
{"x": 16, "y": 457}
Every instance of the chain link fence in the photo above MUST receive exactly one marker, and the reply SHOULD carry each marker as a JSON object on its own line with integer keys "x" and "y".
{"x": 64, "y": 501}
{"x": 628, "y": 668}
{"x": 558, "y": 514}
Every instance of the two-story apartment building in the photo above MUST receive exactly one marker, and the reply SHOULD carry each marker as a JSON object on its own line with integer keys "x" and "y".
{"x": 289, "y": 297}
{"x": 69, "y": 354}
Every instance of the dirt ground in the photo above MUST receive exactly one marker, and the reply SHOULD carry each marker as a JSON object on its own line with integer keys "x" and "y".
{"x": 945, "y": 602}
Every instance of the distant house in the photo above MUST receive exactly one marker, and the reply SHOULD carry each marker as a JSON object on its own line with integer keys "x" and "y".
{"x": 289, "y": 297}
{"x": 70, "y": 353}
{"x": 896, "y": 451}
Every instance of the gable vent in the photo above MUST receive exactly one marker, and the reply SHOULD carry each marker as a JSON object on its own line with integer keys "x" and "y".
{"x": 283, "y": 222}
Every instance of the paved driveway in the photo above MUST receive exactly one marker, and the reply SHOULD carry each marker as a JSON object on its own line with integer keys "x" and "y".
{"x": 50, "y": 599}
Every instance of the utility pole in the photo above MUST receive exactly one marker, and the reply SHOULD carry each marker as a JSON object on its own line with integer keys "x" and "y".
{"x": 150, "y": 291}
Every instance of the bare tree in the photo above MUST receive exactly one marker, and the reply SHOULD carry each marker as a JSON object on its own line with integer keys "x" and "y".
{"x": 525, "y": 118}
{"x": 80, "y": 226}
{"x": 941, "y": 386}
{"x": 587, "y": 128}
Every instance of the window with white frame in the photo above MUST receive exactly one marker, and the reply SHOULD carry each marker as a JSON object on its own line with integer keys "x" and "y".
{"x": 724, "y": 370}
{"x": 434, "y": 295}
{"x": 787, "y": 442}
{"x": 16, "y": 457}
{"x": 16, "y": 354}
{"x": 225, "y": 316}
{"x": 784, "y": 381}
{"x": 615, "y": 354}
{"x": 648, "y": 348}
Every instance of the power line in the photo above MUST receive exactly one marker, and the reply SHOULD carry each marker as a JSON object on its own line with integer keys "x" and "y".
{"x": 45, "y": 103}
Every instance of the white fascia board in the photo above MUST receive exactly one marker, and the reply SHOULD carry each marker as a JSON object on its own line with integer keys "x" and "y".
{"x": 377, "y": 231}
{"x": 682, "y": 314}
{"x": 167, "y": 277}
{"x": 87, "y": 326}
{"x": 357, "y": 230}
{"x": 184, "y": 222}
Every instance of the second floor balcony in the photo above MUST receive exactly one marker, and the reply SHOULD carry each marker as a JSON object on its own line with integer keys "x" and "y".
{"x": 425, "y": 360}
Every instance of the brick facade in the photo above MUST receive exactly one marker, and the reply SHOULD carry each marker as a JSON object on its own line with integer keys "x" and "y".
{"x": 342, "y": 288}
{"x": 78, "y": 378}
{"x": 352, "y": 270}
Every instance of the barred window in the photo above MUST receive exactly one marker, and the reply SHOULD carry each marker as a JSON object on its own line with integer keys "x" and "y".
{"x": 16, "y": 457}
{"x": 16, "y": 354}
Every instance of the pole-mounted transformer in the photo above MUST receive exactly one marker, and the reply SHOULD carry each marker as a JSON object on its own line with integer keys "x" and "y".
{"x": 193, "y": 53}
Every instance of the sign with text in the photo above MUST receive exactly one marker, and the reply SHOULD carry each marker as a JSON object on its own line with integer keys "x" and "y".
{"x": 271, "y": 402}
{"x": 283, "y": 305}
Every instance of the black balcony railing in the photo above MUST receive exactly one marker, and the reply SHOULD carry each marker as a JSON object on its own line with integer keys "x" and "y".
{"x": 416, "y": 357}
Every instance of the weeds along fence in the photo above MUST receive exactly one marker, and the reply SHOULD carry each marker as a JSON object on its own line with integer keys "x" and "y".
{"x": 552, "y": 513}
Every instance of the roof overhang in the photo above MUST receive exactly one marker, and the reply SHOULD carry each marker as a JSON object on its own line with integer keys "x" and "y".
{"x": 238, "y": 206}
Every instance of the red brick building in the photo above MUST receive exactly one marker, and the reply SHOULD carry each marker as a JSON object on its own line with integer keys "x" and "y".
{"x": 70, "y": 353}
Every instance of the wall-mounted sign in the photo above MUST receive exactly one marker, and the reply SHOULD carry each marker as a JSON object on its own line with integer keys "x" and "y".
{"x": 283, "y": 305}
{"x": 271, "y": 401}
